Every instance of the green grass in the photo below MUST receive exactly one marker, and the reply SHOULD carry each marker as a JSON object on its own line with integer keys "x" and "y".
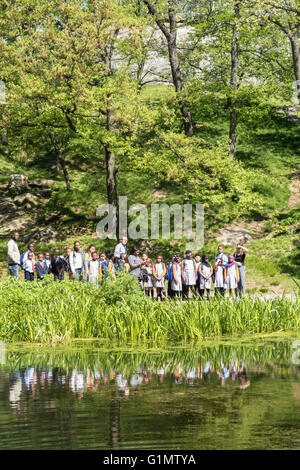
{"x": 51, "y": 312}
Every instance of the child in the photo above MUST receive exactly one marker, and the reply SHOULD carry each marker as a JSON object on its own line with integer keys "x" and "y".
{"x": 219, "y": 277}
{"x": 120, "y": 262}
{"x": 189, "y": 275}
{"x": 169, "y": 276}
{"x": 205, "y": 272}
{"x": 29, "y": 266}
{"x": 176, "y": 283}
{"x": 57, "y": 267}
{"x": 197, "y": 262}
{"x": 41, "y": 267}
{"x": 147, "y": 271}
{"x": 24, "y": 255}
{"x": 94, "y": 269}
{"x": 159, "y": 273}
{"x": 107, "y": 267}
{"x": 47, "y": 261}
{"x": 124, "y": 258}
{"x": 67, "y": 266}
{"x": 231, "y": 275}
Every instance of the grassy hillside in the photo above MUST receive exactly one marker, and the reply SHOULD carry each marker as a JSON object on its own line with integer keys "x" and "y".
{"x": 270, "y": 147}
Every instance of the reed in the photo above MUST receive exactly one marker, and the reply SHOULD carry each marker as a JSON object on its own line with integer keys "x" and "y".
{"x": 52, "y": 311}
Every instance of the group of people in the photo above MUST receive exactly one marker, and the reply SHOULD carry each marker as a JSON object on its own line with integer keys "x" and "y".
{"x": 188, "y": 277}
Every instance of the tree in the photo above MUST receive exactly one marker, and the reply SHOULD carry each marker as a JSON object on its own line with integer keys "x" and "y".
{"x": 166, "y": 14}
{"x": 285, "y": 14}
{"x": 68, "y": 67}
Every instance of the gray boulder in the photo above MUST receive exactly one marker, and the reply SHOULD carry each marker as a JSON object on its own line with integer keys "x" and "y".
{"x": 233, "y": 236}
{"x": 18, "y": 184}
{"x": 42, "y": 184}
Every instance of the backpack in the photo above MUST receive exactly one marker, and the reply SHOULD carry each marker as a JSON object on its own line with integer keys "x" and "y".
{"x": 22, "y": 259}
{"x": 170, "y": 275}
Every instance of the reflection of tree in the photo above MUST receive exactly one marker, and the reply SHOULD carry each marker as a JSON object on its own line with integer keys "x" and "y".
{"x": 114, "y": 420}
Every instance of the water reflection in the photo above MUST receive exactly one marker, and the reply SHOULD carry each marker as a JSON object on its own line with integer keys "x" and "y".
{"x": 160, "y": 399}
{"x": 79, "y": 382}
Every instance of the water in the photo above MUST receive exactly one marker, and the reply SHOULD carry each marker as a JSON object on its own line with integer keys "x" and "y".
{"x": 225, "y": 395}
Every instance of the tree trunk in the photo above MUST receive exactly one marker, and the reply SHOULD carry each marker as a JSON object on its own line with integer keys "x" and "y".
{"x": 171, "y": 37}
{"x": 57, "y": 167}
{"x": 111, "y": 171}
{"x": 177, "y": 81}
{"x": 234, "y": 86}
{"x": 4, "y": 137}
{"x": 295, "y": 43}
{"x": 65, "y": 171}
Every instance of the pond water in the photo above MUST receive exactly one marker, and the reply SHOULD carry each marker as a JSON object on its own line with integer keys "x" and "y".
{"x": 222, "y": 395}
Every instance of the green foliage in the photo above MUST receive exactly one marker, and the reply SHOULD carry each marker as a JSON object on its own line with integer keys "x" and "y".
{"x": 50, "y": 312}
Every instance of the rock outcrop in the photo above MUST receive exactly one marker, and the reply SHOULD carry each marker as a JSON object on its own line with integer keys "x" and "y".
{"x": 18, "y": 184}
{"x": 233, "y": 236}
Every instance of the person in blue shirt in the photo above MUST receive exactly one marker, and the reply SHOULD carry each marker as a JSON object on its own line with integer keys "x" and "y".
{"x": 47, "y": 261}
{"x": 41, "y": 267}
{"x": 221, "y": 255}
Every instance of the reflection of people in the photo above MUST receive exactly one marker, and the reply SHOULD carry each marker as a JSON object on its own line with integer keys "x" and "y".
{"x": 244, "y": 382}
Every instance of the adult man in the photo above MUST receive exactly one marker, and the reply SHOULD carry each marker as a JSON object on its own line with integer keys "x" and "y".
{"x": 78, "y": 262}
{"x": 221, "y": 255}
{"x": 120, "y": 249}
{"x": 13, "y": 255}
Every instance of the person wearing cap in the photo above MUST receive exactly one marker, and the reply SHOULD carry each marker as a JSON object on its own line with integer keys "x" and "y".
{"x": 239, "y": 257}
